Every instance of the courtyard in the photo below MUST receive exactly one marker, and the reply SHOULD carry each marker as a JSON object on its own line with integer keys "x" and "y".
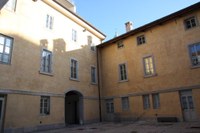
{"x": 131, "y": 127}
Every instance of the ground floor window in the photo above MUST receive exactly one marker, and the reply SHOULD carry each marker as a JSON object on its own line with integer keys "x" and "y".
{"x": 146, "y": 101}
{"x": 156, "y": 101}
{"x": 109, "y": 106}
{"x": 45, "y": 105}
{"x": 125, "y": 103}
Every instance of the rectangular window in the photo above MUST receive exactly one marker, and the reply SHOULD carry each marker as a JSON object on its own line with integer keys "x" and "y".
{"x": 125, "y": 103}
{"x": 122, "y": 72}
{"x": 195, "y": 54}
{"x": 46, "y": 61}
{"x": 146, "y": 101}
{"x": 93, "y": 75}
{"x": 6, "y": 44}
{"x": 156, "y": 101}
{"x": 45, "y": 105}
{"x": 109, "y": 106}
{"x": 141, "y": 40}
{"x": 120, "y": 44}
{"x": 11, "y": 5}
{"x": 74, "y": 69}
{"x": 74, "y": 35}
{"x": 190, "y": 22}
{"x": 149, "y": 68}
{"x": 49, "y": 22}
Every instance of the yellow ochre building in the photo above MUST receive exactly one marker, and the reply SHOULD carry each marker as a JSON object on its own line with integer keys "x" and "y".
{"x": 55, "y": 69}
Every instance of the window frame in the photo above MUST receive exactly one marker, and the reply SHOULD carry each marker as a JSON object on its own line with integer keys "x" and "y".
{"x": 50, "y": 63}
{"x": 110, "y": 109}
{"x": 156, "y": 100}
{"x": 120, "y": 72}
{"x": 49, "y": 22}
{"x": 153, "y": 66}
{"x": 120, "y": 44}
{"x": 190, "y": 55}
{"x": 125, "y": 103}
{"x": 188, "y": 19}
{"x": 72, "y": 77}
{"x": 95, "y": 74}
{"x": 4, "y": 49}
{"x": 146, "y": 101}
{"x": 43, "y": 107}
{"x": 74, "y": 35}
{"x": 141, "y": 40}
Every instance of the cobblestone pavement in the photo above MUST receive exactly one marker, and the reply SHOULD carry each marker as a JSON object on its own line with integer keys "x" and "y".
{"x": 132, "y": 127}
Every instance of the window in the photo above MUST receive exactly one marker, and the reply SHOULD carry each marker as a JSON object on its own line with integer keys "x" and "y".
{"x": 6, "y": 44}
{"x": 11, "y": 5}
{"x": 190, "y": 22}
{"x": 122, "y": 72}
{"x": 149, "y": 67}
{"x": 46, "y": 61}
{"x": 141, "y": 40}
{"x": 120, "y": 44}
{"x": 109, "y": 106}
{"x": 74, "y": 69}
{"x": 125, "y": 103}
{"x": 156, "y": 101}
{"x": 195, "y": 54}
{"x": 93, "y": 75}
{"x": 49, "y": 22}
{"x": 146, "y": 101}
{"x": 74, "y": 35}
{"x": 45, "y": 105}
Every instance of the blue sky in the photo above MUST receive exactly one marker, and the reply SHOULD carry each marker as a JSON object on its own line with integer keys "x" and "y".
{"x": 110, "y": 16}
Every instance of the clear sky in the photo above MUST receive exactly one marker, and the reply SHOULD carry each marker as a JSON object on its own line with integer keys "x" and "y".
{"x": 110, "y": 16}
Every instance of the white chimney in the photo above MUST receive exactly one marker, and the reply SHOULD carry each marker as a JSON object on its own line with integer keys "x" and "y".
{"x": 129, "y": 26}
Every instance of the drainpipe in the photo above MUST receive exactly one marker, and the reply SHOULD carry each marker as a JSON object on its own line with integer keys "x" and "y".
{"x": 99, "y": 86}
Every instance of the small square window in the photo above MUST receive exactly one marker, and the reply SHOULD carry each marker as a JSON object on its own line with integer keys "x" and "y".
{"x": 45, "y": 105}
{"x": 195, "y": 54}
{"x": 141, "y": 40}
{"x": 190, "y": 22}
{"x": 120, "y": 44}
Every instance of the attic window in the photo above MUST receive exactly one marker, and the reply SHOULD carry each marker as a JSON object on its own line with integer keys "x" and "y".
{"x": 120, "y": 44}
{"x": 190, "y": 22}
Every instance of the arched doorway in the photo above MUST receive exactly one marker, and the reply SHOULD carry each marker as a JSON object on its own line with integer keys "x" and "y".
{"x": 73, "y": 108}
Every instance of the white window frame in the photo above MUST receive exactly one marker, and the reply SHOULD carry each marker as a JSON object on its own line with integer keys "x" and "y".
{"x": 195, "y": 59}
{"x": 190, "y": 22}
{"x": 6, "y": 45}
{"x": 146, "y": 101}
{"x": 74, "y": 35}
{"x": 125, "y": 103}
{"x": 49, "y": 22}
{"x": 44, "y": 105}
{"x": 123, "y": 74}
{"x": 46, "y": 62}
{"x": 11, "y": 5}
{"x": 141, "y": 40}
{"x": 156, "y": 100}
{"x": 74, "y": 69}
{"x": 149, "y": 66}
{"x": 109, "y": 106}
{"x": 93, "y": 74}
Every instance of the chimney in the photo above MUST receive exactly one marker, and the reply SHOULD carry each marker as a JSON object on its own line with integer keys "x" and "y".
{"x": 129, "y": 26}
